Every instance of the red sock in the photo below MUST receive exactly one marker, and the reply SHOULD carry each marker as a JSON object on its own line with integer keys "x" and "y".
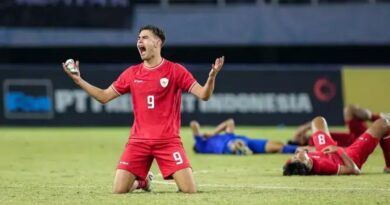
{"x": 142, "y": 184}
{"x": 385, "y": 145}
{"x": 374, "y": 117}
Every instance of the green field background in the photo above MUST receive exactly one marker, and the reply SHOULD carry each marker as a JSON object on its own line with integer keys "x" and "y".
{"x": 76, "y": 166}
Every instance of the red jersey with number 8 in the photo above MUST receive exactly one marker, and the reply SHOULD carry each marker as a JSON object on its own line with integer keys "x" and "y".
{"x": 156, "y": 96}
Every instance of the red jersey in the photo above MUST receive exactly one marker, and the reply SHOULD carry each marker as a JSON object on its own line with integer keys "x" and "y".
{"x": 324, "y": 164}
{"x": 156, "y": 96}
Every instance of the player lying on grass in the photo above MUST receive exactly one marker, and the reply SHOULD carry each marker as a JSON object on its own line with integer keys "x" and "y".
{"x": 223, "y": 140}
{"x": 326, "y": 158}
{"x": 355, "y": 119}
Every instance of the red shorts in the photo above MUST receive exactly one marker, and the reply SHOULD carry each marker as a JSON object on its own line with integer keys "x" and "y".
{"x": 321, "y": 140}
{"x": 138, "y": 156}
{"x": 361, "y": 148}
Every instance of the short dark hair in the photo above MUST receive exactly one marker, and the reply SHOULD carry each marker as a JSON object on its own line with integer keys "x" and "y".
{"x": 295, "y": 168}
{"x": 156, "y": 31}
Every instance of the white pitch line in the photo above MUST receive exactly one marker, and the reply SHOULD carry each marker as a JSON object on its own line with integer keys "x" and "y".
{"x": 252, "y": 186}
{"x": 238, "y": 186}
{"x": 227, "y": 186}
{"x": 55, "y": 186}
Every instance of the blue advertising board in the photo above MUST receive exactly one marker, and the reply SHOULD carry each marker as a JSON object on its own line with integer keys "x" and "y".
{"x": 252, "y": 94}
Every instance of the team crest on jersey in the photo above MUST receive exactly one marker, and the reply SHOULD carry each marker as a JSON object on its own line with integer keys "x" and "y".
{"x": 164, "y": 82}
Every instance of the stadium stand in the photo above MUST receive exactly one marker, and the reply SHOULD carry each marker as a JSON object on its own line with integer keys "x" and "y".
{"x": 236, "y": 2}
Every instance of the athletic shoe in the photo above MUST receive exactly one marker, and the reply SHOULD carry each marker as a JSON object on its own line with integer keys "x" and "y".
{"x": 241, "y": 148}
{"x": 385, "y": 115}
{"x": 149, "y": 179}
{"x": 386, "y": 170}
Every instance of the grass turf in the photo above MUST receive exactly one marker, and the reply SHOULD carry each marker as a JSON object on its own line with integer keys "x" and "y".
{"x": 76, "y": 166}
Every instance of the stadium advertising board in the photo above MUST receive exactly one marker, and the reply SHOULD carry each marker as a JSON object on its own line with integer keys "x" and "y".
{"x": 66, "y": 13}
{"x": 27, "y": 99}
{"x": 367, "y": 86}
{"x": 251, "y": 96}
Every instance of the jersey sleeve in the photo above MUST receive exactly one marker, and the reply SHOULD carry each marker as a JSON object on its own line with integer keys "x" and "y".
{"x": 122, "y": 84}
{"x": 184, "y": 78}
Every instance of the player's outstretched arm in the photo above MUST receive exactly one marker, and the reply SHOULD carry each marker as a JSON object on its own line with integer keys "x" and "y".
{"x": 195, "y": 128}
{"x": 349, "y": 166}
{"x": 302, "y": 130}
{"x": 204, "y": 92}
{"x": 227, "y": 126}
{"x": 103, "y": 96}
{"x": 300, "y": 136}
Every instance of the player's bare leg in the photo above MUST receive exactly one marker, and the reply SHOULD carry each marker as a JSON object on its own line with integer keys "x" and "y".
{"x": 185, "y": 180}
{"x": 379, "y": 128}
{"x": 124, "y": 182}
{"x": 354, "y": 111}
{"x": 279, "y": 147}
{"x": 385, "y": 145}
{"x": 274, "y": 147}
{"x": 376, "y": 130}
{"x": 319, "y": 124}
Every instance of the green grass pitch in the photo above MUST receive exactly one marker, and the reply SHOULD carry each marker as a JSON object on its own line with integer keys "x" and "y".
{"x": 76, "y": 166}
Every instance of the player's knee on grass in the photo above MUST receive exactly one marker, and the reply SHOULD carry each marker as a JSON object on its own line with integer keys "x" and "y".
{"x": 123, "y": 182}
{"x": 188, "y": 190}
{"x": 185, "y": 181}
{"x": 379, "y": 128}
{"x": 120, "y": 190}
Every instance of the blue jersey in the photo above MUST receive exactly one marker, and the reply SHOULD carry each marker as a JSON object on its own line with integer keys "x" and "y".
{"x": 219, "y": 144}
{"x": 216, "y": 144}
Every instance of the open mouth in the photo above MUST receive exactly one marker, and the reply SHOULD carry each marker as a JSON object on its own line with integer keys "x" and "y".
{"x": 141, "y": 49}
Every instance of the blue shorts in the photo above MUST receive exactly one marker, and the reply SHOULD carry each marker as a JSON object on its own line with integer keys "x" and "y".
{"x": 257, "y": 146}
